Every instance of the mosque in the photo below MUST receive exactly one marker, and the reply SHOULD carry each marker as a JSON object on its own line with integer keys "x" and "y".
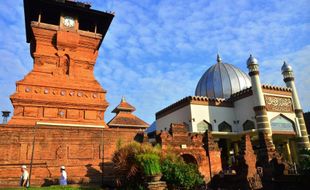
{"x": 231, "y": 103}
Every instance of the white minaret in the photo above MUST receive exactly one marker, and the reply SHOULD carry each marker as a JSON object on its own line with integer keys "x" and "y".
{"x": 253, "y": 67}
{"x": 288, "y": 77}
{"x": 263, "y": 126}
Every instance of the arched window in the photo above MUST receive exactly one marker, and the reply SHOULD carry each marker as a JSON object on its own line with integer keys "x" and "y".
{"x": 248, "y": 125}
{"x": 225, "y": 127}
{"x": 282, "y": 123}
{"x": 65, "y": 64}
{"x": 203, "y": 126}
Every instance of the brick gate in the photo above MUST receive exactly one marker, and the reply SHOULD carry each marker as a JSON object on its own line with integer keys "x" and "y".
{"x": 194, "y": 148}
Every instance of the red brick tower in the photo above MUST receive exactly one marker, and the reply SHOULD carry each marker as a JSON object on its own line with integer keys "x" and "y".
{"x": 64, "y": 38}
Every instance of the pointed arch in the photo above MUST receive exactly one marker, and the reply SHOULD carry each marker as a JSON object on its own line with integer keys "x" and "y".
{"x": 248, "y": 125}
{"x": 203, "y": 125}
{"x": 282, "y": 123}
{"x": 225, "y": 127}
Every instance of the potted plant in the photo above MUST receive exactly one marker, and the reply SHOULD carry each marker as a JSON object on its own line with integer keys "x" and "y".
{"x": 150, "y": 166}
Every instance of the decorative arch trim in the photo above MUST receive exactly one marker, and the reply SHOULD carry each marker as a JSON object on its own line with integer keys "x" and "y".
{"x": 282, "y": 123}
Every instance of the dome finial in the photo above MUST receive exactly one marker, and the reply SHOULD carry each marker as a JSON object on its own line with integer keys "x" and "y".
{"x": 218, "y": 58}
{"x": 252, "y": 60}
{"x": 286, "y": 67}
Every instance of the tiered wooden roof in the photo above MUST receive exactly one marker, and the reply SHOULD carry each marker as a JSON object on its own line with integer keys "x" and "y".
{"x": 125, "y": 118}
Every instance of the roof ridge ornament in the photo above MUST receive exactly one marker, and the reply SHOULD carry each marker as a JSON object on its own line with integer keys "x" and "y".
{"x": 123, "y": 99}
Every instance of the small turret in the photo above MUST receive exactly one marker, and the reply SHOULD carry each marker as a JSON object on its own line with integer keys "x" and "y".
{"x": 287, "y": 72}
{"x": 252, "y": 61}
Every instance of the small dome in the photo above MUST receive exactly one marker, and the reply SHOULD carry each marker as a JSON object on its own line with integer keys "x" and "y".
{"x": 222, "y": 80}
{"x": 286, "y": 68}
{"x": 252, "y": 61}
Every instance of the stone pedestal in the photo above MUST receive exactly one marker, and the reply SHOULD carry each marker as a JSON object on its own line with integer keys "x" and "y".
{"x": 158, "y": 185}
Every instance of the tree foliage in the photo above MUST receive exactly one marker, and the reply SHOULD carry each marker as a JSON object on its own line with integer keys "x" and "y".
{"x": 304, "y": 165}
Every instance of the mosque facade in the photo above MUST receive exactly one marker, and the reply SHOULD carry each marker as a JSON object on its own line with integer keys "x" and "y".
{"x": 230, "y": 103}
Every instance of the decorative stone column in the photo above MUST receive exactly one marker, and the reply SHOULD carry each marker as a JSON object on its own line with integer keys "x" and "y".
{"x": 267, "y": 147}
{"x": 288, "y": 77}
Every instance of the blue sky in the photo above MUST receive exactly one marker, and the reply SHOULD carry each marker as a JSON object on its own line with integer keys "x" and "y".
{"x": 156, "y": 51}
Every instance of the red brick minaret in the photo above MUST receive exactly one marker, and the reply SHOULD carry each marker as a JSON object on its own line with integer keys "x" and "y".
{"x": 64, "y": 38}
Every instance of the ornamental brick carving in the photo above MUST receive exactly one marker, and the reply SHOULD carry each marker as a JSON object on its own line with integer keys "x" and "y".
{"x": 278, "y": 104}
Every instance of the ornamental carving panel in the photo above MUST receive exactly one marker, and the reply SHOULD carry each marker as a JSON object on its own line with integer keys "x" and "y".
{"x": 278, "y": 104}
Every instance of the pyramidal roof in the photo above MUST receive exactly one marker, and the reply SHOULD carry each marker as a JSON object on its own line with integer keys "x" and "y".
{"x": 124, "y": 106}
{"x": 125, "y": 118}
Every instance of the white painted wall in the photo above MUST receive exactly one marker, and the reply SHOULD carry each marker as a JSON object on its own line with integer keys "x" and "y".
{"x": 178, "y": 116}
{"x": 244, "y": 111}
{"x": 211, "y": 113}
{"x": 193, "y": 114}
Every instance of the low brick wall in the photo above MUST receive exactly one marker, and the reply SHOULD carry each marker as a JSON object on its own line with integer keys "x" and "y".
{"x": 77, "y": 148}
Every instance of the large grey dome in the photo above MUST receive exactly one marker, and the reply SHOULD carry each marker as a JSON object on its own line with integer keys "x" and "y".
{"x": 222, "y": 80}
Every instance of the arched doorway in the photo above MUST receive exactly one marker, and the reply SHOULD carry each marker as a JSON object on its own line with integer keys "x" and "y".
{"x": 224, "y": 144}
{"x": 283, "y": 134}
{"x": 189, "y": 159}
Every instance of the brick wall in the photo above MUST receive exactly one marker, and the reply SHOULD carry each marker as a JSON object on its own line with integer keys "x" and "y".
{"x": 79, "y": 149}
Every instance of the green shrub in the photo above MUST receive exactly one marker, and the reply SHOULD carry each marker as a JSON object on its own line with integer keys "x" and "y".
{"x": 180, "y": 174}
{"x": 128, "y": 170}
{"x": 304, "y": 165}
{"x": 149, "y": 163}
{"x": 133, "y": 162}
